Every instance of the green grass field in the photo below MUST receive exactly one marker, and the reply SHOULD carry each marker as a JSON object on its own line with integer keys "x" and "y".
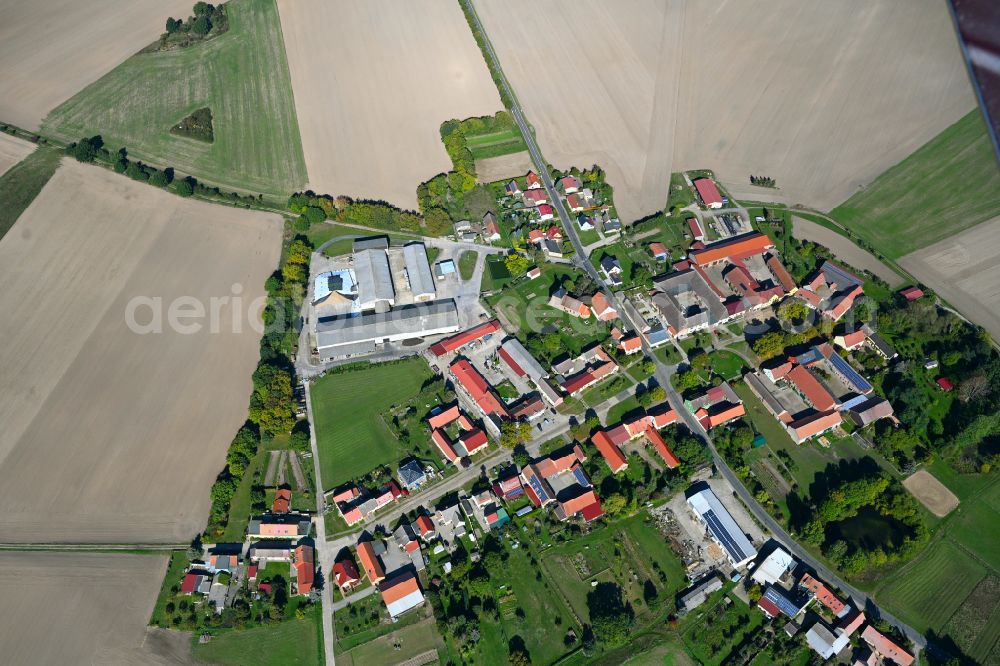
{"x": 22, "y": 182}
{"x": 727, "y": 364}
{"x": 414, "y": 639}
{"x": 296, "y": 642}
{"x": 242, "y": 76}
{"x": 467, "y": 264}
{"x": 949, "y": 184}
{"x": 495, "y": 144}
{"x": 175, "y": 572}
{"x": 926, "y": 593}
{"x": 351, "y": 436}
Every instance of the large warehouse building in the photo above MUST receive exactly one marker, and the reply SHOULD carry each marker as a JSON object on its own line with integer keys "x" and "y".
{"x": 722, "y": 527}
{"x": 350, "y": 336}
{"x": 418, "y": 272}
{"x": 371, "y": 266}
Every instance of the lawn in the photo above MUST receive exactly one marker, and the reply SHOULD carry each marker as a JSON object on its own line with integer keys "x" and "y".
{"x": 927, "y": 592}
{"x": 616, "y": 413}
{"x": 713, "y": 640}
{"x": 727, "y": 364}
{"x": 288, "y": 642}
{"x": 239, "y": 508}
{"x": 949, "y": 184}
{"x": 680, "y": 194}
{"x": 324, "y": 231}
{"x": 413, "y": 640}
{"x": 494, "y": 144}
{"x": 347, "y": 410}
{"x": 22, "y": 182}
{"x": 242, "y": 76}
{"x": 175, "y": 572}
{"x": 467, "y": 264}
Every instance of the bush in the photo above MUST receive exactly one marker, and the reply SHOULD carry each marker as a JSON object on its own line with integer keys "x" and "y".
{"x": 184, "y": 188}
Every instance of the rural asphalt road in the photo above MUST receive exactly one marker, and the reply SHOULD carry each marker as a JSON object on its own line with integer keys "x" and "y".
{"x": 663, "y": 371}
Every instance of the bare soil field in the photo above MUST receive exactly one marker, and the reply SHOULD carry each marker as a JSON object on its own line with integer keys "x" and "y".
{"x": 931, "y": 493}
{"x": 965, "y": 271}
{"x": 12, "y": 151}
{"x": 490, "y": 169}
{"x": 844, "y": 249}
{"x": 111, "y": 435}
{"x": 52, "y": 49}
{"x": 82, "y": 608}
{"x": 820, "y": 99}
{"x": 373, "y": 82}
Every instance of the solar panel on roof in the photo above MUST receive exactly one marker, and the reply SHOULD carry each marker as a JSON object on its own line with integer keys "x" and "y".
{"x": 536, "y": 485}
{"x": 852, "y": 376}
{"x": 581, "y": 478}
{"x": 781, "y": 601}
{"x": 723, "y": 536}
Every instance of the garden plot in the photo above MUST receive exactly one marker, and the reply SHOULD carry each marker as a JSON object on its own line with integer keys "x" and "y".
{"x": 112, "y": 435}
{"x": 373, "y": 82}
{"x": 683, "y": 85}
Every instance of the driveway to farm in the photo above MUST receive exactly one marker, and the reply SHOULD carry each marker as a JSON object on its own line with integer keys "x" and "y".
{"x": 663, "y": 371}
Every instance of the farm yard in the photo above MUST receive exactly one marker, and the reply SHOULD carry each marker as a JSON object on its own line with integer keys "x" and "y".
{"x": 348, "y": 409}
{"x": 98, "y": 603}
{"x": 81, "y": 43}
{"x": 964, "y": 270}
{"x": 241, "y": 76}
{"x": 679, "y": 67}
{"x": 381, "y": 140}
{"x": 134, "y": 461}
{"x": 948, "y": 185}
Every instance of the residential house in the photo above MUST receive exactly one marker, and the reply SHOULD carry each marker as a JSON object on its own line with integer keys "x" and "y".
{"x": 534, "y": 197}
{"x": 612, "y": 270}
{"x": 912, "y": 293}
{"x": 534, "y": 182}
{"x": 813, "y": 425}
{"x": 716, "y": 406}
{"x": 591, "y": 366}
{"x": 412, "y": 475}
{"x": 659, "y": 251}
{"x": 585, "y": 223}
{"x": 534, "y": 272}
{"x": 602, "y": 308}
{"x": 886, "y": 647}
{"x": 576, "y": 203}
{"x": 545, "y": 213}
{"x": 279, "y": 526}
{"x": 512, "y": 188}
{"x": 424, "y": 526}
{"x": 850, "y": 341}
{"x": 345, "y": 574}
{"x": 568, "y": 185}
{"x": 370, "y": 562}
{"x": 303, "y": 569}
{"x": 282, "y": 501}
{"x": 559, "y": 480}
{"x": 401, "y": 594}
{"x": 561, "y": 300}
{"x": 491, "y": 229}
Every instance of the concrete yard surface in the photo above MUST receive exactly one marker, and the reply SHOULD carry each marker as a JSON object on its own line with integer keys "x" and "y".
{"x": 52, "y": 49}
{"x": 83, "y": 608}
{"x": 114, "y": 435}
{"x": 965, "y": 271}
{"x": 373, "y": 82}
{"x": 820, "y": 99}
{"x": 12, "y": 151}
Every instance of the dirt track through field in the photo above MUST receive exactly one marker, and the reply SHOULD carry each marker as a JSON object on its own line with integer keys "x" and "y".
{"x": 965, "y": 271}
{"x": 109, "y": 435}
{"x": 844, "y": 249}
{"x": 373, "y": 82}
{"x": 819, "y": 98}
{"x": 52, "y": 49}
{"x": 12, "y": 151}
{"x": 81, "y": 608}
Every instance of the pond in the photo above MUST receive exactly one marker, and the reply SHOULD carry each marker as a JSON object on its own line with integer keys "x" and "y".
{"x": 868, "y": 530}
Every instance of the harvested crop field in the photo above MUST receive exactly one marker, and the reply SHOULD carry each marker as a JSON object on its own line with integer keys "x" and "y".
{"x": 81, "y": 608}
{"x": 111, "y": 435}
{"x": 965, "y": 271}
{"x": 844, "y": 249}
{"x": 370, "y": 123}
{"x": 52, "y": 49}
{"x": 12, "y": 151}
{"x": 241, "y": 76}
{"x": 931, "y": 493}
{"x": 490, "y": 169}
{"x": 820, "y": 99}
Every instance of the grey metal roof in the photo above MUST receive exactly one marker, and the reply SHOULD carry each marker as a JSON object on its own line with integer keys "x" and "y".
{"x": 409, "y": 321}
{"x": 523, "y": 358}
{"x": 722, "y": 526}
{"x": 681, "y": 318}
{"x": 418, "y": 271}
{"x": 762, "y": 388}
{"x": 375, "y": 243}
{"x": 371, "y": 267}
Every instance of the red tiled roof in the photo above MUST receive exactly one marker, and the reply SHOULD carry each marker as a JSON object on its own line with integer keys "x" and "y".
{"x": 397, "y": 588}
{"x": 465, "y": 337}
{"x": 282, "y": 501}
{"x": 535, "y": 235}
{"x": 854, "y": 339}
{"x": 553, "y": 233}
{"x": 811, "y": 388}
{"x": 602, "y": 308}
{"x": 477, "y": 386}
{"x": 533, "y": 179}
{"x": 743, "y": 246}
{"x": 823, "y": 594}
{"x": 611, "y": 453}
{"x": 662, "y": 449}
{"x": 345, "y": 494}
{"x": 252, "y": 571}
{"x": 631, "y": 344}
{"x": 190, "y": 583}
{"x": 369, "y": 562}
{"x": 305, "y": 567}
{"x": 536, "y": 196}
{"x": 579, "y": 381}
{"x": 724, "y": 416}
{"x": 780, "y": 272}
{"x": 592, "y": 511}
{"x": 815, "y": 423}
{"x": 545, "y": 209}
{"x": 345, "y": 573}
{"x": 511, "y": 363}
{"x": 658, "y": 249}
{"x": 474, "y": 440}
{"x": 695, "y": 227}
{"x": 577, "y": 504}
{"x": 912, "y": 293}
{"x": 708, "y": 191}
{"x": 444, "y": 445}
{"x": 851, "y": 625}
{"x": 443, "y": 418}
{"x": 945, "y": 384}
{"x": 768, "y": 607}
{"x": 880, "y": 643}
{"x": 425, "y": 524}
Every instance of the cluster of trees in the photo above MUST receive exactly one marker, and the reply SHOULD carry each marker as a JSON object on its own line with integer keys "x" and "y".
{"x": 611, "y": 618}
{"x": 272, "y": 403}
{"x": 774, "y": 343}
{"x": 762, "y": 181}
{"x": 845, "y": 499}
{"x": 198, "y": 126}
{"x": 207, "y": 21}
{"x": 314, "y": 208}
